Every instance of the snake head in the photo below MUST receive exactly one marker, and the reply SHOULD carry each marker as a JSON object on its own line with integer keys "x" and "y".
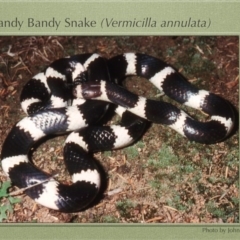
{"x": 89, "y": 90}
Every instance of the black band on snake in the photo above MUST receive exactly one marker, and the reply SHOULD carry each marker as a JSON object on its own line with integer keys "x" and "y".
{"x": 74, "y": 93}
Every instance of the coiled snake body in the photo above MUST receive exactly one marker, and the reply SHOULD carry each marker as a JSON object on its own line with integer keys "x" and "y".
{"x": 57, "y": 101}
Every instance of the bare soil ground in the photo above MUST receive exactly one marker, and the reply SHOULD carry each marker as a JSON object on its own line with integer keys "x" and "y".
{"x": 163, "y": 178}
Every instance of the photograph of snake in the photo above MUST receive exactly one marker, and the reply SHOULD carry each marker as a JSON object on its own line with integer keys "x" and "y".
{"x": 169, "y": 154}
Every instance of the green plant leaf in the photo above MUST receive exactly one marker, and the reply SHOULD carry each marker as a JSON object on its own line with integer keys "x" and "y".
{"x": 3, "y": 211}
{"x": 4, "y": 188}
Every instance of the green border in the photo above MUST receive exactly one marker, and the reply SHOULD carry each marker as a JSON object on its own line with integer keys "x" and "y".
{"x": 119, "y": 18}
{"x": 225, "y": 19}
{"x": 117, "y": 231}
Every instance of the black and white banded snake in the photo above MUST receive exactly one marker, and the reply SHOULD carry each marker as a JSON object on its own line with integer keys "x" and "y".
{"x": 57, "y": 101}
